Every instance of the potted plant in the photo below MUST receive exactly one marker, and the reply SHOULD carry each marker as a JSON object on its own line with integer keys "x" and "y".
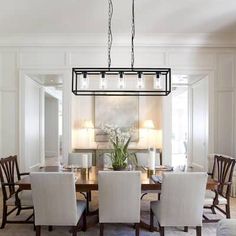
{"x": 120, "y": 141}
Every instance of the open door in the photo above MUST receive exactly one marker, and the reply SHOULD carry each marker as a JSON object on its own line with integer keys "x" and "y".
{"x": 199, "y": 110}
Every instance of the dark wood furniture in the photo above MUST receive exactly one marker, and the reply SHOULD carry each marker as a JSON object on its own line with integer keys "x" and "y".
{"x": 9, "y": 175}
{"x": 89, "y": 181}
{"x": 222, "y": 173}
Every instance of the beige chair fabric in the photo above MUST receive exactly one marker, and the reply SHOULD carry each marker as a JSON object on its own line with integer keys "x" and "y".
{"x": 54, "y": 199}
{"x": 226, "y": 227}
{"x": 119, "y": 196}
{"x": 182, "y": 199}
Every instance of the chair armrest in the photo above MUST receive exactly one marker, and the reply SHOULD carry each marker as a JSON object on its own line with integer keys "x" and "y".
{"x": 24, "y": 173}
{"x": 8, "y": 184}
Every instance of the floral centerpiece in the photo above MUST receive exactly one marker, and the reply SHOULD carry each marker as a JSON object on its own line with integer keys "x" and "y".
{"x": 120, "y": 140}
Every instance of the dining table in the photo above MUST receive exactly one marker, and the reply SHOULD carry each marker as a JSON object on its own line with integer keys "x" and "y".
{"x": 87, "y": 181}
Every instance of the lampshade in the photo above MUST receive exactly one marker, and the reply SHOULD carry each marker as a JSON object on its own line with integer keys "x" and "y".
{"x": 88, "y": 124}
{"x": 148, "y": 124}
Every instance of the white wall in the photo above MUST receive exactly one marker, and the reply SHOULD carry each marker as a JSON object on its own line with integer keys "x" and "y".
{"x": 150, "y": 108}
{"x": 218, "y": 62}
{"x": 51, "y": 126}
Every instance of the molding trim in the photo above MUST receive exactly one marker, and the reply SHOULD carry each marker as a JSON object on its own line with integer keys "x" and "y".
{"x": 83, "y": 40}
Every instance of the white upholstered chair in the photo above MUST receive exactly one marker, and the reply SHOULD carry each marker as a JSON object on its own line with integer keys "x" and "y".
{"x": 181, "y": 203}
{"x": 54, "y": 199}
{"x": 77, "y": 159}
{"x": 226, "y": 227}
{"x": 119, "y": 197}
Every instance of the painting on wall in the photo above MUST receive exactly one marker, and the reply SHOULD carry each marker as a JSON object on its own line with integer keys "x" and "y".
{"x": 120, "y": 111}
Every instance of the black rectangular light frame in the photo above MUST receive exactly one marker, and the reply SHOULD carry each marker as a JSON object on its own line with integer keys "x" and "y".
{"x": 127, "y": 71}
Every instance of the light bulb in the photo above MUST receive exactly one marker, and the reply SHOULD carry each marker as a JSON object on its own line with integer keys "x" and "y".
{"x": 157, "y": 81}
{"x": 103, "y": 81}
{"x": 140, "y": 82}
{"x": 121, "y": 81}
{"x": 84, "y": 81}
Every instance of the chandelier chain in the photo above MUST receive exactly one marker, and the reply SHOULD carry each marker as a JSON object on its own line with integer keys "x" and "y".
{"x": 132, "y": 36}
{"x": 110, "y": 37}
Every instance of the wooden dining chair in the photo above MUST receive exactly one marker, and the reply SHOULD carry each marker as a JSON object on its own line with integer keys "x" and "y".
{"x": 119, "y": 198}
{"x": 55, "y": 203}
{"x": 222, "y": 172}
{"x": 12, "y": 197}
{"x": 181, "y": 203}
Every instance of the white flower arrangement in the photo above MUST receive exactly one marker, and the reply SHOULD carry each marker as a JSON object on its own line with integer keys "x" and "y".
{"x": 120, "y": 140}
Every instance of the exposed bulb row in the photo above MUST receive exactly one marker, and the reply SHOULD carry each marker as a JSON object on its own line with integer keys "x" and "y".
{"x": 121, "y": 81}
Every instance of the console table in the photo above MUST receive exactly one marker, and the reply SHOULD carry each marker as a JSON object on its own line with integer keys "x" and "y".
{"x": 98, "y": 153}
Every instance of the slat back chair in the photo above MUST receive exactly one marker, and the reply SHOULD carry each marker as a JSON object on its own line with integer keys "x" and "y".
{"x": 222, "y": 172}
{"x": 223, "y": 169}
{"x": 12, "y": 196}
{"x": 9, "y": 174}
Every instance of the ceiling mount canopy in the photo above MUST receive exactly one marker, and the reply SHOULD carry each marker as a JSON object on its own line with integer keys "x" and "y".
{"x": 121, "y": 81}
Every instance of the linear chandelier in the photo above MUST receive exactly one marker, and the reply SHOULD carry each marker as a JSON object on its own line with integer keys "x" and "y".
{"x": 121, "y": 81}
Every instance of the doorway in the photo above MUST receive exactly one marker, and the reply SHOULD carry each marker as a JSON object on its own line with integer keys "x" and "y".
{"x": 179, "y": 126}
{"x": 41, "y": 119}
{"x": 190, "y": 120}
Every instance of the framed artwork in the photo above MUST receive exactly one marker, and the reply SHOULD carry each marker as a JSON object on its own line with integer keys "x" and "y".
{"x": 120, "y": 111}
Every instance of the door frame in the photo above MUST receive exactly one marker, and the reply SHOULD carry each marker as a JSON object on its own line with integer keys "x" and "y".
{"x": 66, "y": 114}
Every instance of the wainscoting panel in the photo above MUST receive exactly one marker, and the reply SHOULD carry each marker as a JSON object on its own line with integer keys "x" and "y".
{"x": 9, "y": 123}
{"x": 8, "y": 79}
{"x": 226, "y": 71}
{"x": 225, "y": 123}
{"x": 36, "y": 59}
{"x": 191, "y": 60}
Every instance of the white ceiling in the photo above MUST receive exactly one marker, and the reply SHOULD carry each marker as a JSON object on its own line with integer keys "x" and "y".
{"x": 90, "y": 16}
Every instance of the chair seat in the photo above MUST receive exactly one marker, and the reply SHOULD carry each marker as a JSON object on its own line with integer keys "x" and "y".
{"x": 25, "y": 197}
{"x": 226, "y": 227}
{"x": 81, "y": 206}
{"x": 209, "y": 198}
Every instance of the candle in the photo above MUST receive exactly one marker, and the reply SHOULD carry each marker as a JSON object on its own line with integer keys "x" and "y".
{"x": 151, "y": 159}
{"x": 84, "y": 160}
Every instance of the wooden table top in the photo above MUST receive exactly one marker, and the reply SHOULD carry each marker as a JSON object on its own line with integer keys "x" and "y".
{"x": 89, "y": 181}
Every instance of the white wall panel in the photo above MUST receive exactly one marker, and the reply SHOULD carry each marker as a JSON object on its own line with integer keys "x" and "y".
{"x": 9, "y": 125}
{"x": 225, "y": 71}
{"x": 35, "y": 59}
{"x": 8, "y": 74}
{"x": 225, "y": 124}
{"x": 89, "y": 58}
{"x": 191, "y": 60}
{"x": 149, "y": 58}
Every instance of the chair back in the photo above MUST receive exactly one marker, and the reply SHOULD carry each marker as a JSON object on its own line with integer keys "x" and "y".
{"x": 223, "y": 169}
{"x": 9, "y": 174}
{"x": 182, "y": 199}
{"x": 54, "y": 198}
{"x": 119, "y": 196}
{"x": 77, "y": 159}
